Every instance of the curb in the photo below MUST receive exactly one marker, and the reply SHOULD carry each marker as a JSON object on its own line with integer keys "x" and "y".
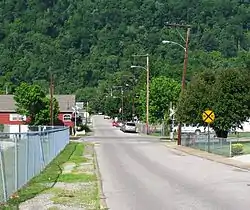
{"x": 103, "y": 204}
{"x": 211, "y": 157}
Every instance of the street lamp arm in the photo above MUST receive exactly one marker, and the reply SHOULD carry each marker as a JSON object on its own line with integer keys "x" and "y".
{"x": 171, "y": 42}
{"x": 141, "y": 67}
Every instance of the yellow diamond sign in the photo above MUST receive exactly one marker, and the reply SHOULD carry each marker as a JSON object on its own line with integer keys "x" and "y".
{"x": 208, "y": 116}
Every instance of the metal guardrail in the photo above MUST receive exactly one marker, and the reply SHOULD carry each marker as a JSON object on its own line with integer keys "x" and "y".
{"x": 25, "y": 155}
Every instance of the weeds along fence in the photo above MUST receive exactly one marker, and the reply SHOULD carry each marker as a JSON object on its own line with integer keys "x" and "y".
{"x": 25, "y": 155}
{"x": 222, "y": 146}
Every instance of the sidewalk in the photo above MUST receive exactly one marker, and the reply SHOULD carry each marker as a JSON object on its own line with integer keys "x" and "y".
{"x": 209, "y": 156}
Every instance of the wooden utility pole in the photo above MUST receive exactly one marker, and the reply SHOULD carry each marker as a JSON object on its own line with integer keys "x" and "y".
{"x": 183, "y": 83}
{"x": 147, "y": 96}
{"x": 147, "y": 89}
{"x": 51, "y": 99}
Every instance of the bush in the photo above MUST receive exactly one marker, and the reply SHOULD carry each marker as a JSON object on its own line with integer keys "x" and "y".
{"x": 1, "y": 127}
{"x": 237, "y": 149}
{"x": 83, "y": 127}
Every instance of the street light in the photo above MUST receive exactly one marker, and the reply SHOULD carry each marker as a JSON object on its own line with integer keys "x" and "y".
{"x": 184, "y": 69}
{"x": 121, "y": 87}
{"x": 147, "y": 91}
{"x": 170, "y": 42}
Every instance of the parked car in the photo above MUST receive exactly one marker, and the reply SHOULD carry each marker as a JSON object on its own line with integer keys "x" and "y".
{"x": 193, "y": 129}
{"x": 120, "y": 124}
{"x": 114, "y": 124}
{"x": 106, "y": 117}
{"x": 128, "y": 127}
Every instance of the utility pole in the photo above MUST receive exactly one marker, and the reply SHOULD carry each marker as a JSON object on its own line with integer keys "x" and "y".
{"x": 188, "y": 27}
{"x": 147, "y": 89}
{"x": 147, "y": 106}
{"x": 51, "y": 99}
{"x": 6, "y": 90}
{"x": 133, "y": 107}
{"x": 122, "y": 102}
{"x": 87, "y": 108}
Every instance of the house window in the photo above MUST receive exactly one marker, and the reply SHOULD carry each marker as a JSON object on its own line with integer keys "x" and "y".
{"x": 17, "y": 117}
{"x": 67, "y": 117}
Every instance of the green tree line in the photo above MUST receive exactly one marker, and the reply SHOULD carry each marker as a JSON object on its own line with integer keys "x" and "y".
{"x": 88, "y": 46}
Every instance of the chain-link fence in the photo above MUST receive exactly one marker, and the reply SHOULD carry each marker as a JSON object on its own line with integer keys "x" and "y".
{"x": 209, "y": 143}
{"x": 25, "y": 155}
{"x": 155, "y": 130}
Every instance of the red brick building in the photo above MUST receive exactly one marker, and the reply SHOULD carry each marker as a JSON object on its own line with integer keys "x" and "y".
{"x": 9, "y": 116}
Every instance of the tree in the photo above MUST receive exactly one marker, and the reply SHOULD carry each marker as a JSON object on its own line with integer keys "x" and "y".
{"x": 163, "y": 90}
{"x": 85, "y": 46}
{"x": 32, "y": 102}
{"x": 226, "y": 92}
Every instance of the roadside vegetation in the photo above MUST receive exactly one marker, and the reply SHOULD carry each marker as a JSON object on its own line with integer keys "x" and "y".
{"x": 83, "y": 40}
{"x": 69, "y": 180}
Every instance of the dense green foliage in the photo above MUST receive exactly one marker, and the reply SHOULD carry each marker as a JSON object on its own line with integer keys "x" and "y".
{"x": 226, "y": 92}
{"x": 32, "y": 102}
{"x": 87, "y": 41}
{"x": 88, "y": 45}
{"x": 162, "y": 91}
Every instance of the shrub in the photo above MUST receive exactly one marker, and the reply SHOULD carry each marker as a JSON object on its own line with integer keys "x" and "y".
{"x": 237, "y": 149}
{"x": 1, "y": 127}
{"x": 83, "y": 127}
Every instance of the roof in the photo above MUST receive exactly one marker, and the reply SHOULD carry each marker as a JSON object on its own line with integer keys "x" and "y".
{"x": 7, "y": 103}
{"x": 66, "y": 102}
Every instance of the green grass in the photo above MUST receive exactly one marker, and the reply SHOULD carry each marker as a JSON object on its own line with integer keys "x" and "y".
{"x": 69, "y": 178}
{"x": 240, "y": 135}
{"x": 246, "y": 146}
{"x": 85, "y": 197}
{"x": 52, "y": 173}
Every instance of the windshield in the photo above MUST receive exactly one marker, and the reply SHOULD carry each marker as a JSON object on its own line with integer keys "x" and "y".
{"x": 131, "y": 124}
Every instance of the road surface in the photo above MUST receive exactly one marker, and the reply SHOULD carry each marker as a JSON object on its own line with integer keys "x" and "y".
{"x": 140, "y": 173}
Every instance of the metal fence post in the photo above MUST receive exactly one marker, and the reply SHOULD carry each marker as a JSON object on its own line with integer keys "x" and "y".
{"x": 208, "y": 139}
{"x": 41, "y": 149}
{"x": 16, "y": 162}
{"x": 230, "y": 148}
{"x": 3, "y": 175}
{"x": 27, "y": 157}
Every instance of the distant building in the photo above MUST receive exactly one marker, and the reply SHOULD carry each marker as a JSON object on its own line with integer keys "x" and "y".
{"x": 9, "y": 116}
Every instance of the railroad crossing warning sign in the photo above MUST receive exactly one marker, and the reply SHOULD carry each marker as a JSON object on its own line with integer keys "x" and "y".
{"x": 208, "y": 116}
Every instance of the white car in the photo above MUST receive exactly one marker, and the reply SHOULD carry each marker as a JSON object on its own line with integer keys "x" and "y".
{"x": 106, "y": 117}
{"x": 128, "y": 127}
{"x": 193, "y": 129}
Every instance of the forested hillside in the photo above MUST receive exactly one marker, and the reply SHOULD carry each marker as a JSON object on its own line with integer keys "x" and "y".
{"x": 90, "y": 43}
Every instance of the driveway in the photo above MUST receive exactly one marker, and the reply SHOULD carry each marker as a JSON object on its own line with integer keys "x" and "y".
{"x": 140, "y": 173}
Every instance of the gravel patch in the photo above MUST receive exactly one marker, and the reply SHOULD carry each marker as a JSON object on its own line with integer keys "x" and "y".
{"x": 61, "y": 196}
{"x": 68, "y": 167}
{"x": 73, "y": 196}
{"x": 72, "y": 186}
{"x": 87, "y": 168}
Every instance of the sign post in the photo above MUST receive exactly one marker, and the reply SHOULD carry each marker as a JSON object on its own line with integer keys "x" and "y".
{"x": 171, "y": 115}
{"x": 208, "y": 117}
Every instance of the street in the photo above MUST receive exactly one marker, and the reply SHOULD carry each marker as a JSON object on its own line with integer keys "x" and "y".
{"x": 140, "y": 173}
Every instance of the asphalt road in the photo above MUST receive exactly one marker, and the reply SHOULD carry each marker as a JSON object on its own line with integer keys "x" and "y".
{"x": 140, "y": 173}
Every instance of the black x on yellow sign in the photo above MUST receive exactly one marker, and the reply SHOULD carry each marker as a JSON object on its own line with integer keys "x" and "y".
{"x": 208, "y": 116}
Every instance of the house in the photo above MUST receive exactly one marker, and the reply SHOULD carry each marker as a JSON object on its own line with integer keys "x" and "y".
{"x": 9, "y": 116}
